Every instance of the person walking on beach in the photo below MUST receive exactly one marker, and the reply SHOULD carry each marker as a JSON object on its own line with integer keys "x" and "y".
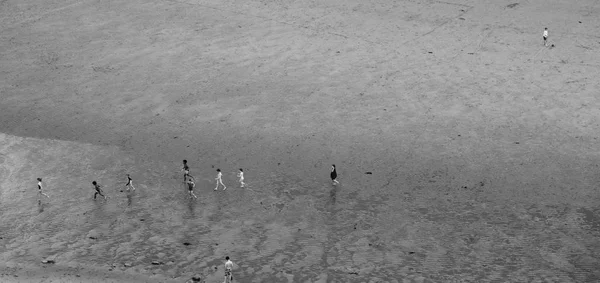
{"x": 241, "y": 176}
{"x": 228, "y": 269}
{"x": 188, "y": 176}
{"x": 185, "y": 169}
{"x": 129, "y": 184}
{"x": 333, "y": 175}
{"x": 40, "y": 187}
{"x": 98, "y": 189}
{"x": 545, "y": 36}
{"x": 219, "y": 179}
{"x": 191, "y": 185}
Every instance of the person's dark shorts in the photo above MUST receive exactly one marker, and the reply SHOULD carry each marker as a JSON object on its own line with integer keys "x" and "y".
{"x": 545, "y": 37}
{"x": 190, "y": 187}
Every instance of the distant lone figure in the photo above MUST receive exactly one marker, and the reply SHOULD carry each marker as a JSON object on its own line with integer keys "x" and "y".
{"x": 219, "y": 180}
{"x": 228, "y": 269}
{"x": 129, "y": 184}
{"x": 40, "y": 187}
{"x": 545, "y": 36}
{"x": 185, "y": 169}
{"x": 333, "y": 174}
{"x": 241, "y": 176}
{"x": 98, "y": 189}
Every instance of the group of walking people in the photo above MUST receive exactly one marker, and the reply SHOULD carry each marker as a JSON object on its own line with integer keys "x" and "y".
{"x": 191, "y": 183}
{"x": 187, "y": 178}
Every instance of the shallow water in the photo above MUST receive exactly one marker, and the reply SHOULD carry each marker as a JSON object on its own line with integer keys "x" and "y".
{"x": 282, "y": 228}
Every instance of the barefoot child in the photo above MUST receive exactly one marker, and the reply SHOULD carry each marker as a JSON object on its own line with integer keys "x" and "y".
{"x": 129, "y": 184}
{"x": 191, "y": 185}
{"x": 98, "y": 189}
{"x": 333, "y": 175}
{"x": 241, "y": 176}
{"x": 219, "y": 180}
{"x": 228, "y": 269}
{"x": 40, "y": 187}
{"x": 185, "y": 169}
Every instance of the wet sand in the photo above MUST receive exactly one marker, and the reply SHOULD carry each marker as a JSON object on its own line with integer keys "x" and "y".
{"x": 480, "y": 142}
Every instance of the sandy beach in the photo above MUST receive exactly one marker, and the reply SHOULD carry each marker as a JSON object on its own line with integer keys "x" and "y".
{"x": 467, "y": 151}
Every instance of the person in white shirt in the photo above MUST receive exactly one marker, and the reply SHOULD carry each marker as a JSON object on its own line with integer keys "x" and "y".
{"x": 228, "y": 268}
{"x": 40, "y": 187}
{"x": 241, "y": 176}
{"x": 545, "y": 36}
{"x": 219, "y": 180}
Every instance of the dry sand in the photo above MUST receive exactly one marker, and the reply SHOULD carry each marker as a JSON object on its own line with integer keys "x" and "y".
{"x": 482, "y": 143}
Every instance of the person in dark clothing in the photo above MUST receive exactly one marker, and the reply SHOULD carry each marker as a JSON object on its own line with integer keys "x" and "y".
{"x": 333, "y": 175}
{"x": 98, "y": 189}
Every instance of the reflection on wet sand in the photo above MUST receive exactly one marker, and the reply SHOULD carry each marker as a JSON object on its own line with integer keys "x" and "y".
{"x": 283, "y": 227}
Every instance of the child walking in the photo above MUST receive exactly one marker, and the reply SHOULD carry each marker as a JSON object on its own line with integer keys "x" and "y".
{"x": 98, "y": 189}
{"x": 545, "y": 36}
{"x": 241, "y": 176}
{"x": 228, "y": 269}
{"x": 40, "y": 188}
{"x": 219, "y": 180}
{"x": 333, "y": 175}
{"x": 129, "y": 184}
{"x": 185, "y": 169}
{"x": 191, "y": 185}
